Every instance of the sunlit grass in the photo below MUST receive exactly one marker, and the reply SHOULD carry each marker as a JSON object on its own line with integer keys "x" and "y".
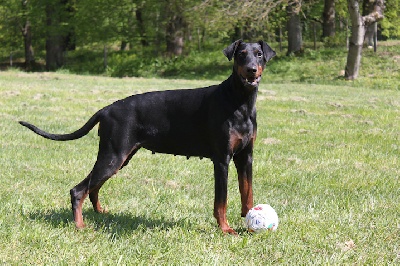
{"x": 326, "y": 158}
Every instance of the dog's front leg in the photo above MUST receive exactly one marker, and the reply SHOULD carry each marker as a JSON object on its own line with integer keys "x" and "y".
{"x": 244, "y": 165}
{"x": 221, "y": 194}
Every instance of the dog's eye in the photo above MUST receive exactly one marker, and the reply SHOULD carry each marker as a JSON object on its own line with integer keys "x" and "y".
{"x": 242, "y": 54}
{"x": 259, "y": 54}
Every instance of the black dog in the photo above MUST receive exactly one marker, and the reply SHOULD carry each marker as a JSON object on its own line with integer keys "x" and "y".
{"x": 216, "y": 122}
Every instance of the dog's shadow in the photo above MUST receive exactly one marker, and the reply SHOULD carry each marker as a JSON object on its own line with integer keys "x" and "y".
{"x": 107, "y": 222}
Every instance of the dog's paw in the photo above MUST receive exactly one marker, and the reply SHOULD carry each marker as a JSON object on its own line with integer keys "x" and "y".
{"x": 80, "y": 226}
{"x": 229, "y": 231}
{"x": 101, "y": 210}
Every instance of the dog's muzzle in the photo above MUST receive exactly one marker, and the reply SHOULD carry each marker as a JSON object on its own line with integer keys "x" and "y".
{"x": 251, "y": 81}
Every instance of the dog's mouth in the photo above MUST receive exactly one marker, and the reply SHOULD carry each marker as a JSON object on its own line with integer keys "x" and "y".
{"x": 250, "y": 81}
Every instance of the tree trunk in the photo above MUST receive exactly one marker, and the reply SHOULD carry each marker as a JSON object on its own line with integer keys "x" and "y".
{"x": 123, "y": 45}
{"x": 280, "y": 37}
{"x": 375, "y": 36}
{"x": 27, "y": 35}
{"x": 295, "y": 41}
{"x": 237, "y": 33}
{"x": 70, "y": 37}
{"x": 315, "y": 34}
{"x": 105, "y": 63}
{"x": 174, "y": 35}
{"x": 142, "y": 30}
{"x": 369, "y": 35}
{"x": 54, "y": 53}
{"x": 358, "y": 28}
{"x": 328, "y": 19}
{"x": 29, "y": 56}
{"x": 55, "y": 41}
{"x": 355, "y": 41}
{"x": 368, "y": 7}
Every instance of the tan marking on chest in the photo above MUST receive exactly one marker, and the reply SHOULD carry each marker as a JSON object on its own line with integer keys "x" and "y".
{"x": 238, "y": 140}
{"x": 235, "y": 141}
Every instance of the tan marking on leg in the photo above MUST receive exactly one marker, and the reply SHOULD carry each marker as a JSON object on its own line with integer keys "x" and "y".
{"x": 78, "y": 217}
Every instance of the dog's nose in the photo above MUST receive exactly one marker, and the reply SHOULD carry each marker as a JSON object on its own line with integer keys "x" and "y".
{"x": 252, "y": 70}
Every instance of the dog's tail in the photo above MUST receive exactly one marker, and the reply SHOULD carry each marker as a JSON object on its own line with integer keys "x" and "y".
{"x": 63, "y": 137}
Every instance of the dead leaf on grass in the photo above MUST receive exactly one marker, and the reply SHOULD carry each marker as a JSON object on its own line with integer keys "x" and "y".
{"x": 172, "y": 184}
{"x": 337, "y": 105}
{"x": 38, "y": 96}
{"x": 268, "y": 92}
{"x": 298, "y": 99}
{"x": 347, "y": 245}
{"x": 347, "y": 116}
{"x": 301, "y": 111}
{"x": 294, "y": 160}
{"x": 303, "y": 131}
{"x": 12, "y": 93}
{"x": 367, "y": 122}
{"x": 271, "y": 141}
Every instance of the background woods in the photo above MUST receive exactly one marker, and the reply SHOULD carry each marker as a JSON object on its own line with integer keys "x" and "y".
{"x": 52, "y": 32}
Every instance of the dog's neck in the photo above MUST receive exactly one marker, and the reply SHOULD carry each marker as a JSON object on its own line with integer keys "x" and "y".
{"x": 242, "y": 93}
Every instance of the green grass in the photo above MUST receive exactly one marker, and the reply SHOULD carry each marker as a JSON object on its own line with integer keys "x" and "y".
{"x": 326, "y": 158}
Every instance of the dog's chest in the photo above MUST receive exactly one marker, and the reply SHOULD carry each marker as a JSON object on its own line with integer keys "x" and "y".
{"x": 241, "y": 135}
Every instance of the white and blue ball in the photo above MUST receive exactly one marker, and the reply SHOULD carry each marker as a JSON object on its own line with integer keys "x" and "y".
{"x": 262, "y": 218}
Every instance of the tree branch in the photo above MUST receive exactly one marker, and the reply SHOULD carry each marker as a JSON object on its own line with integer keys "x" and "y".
{"x": 376, "y": 14}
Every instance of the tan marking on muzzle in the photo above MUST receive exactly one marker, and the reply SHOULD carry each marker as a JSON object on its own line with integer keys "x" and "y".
{"x": 260, "y": 69}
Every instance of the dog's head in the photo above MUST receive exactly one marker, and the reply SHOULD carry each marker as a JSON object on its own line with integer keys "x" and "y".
{"x": 249, "y": 60}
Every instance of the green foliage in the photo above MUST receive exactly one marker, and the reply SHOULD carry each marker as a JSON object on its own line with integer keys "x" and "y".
{"x": 322, "y": 66}
{"x": 326, "y": 158}
{"x": 109, "y": 22}
{"x": 103, "y": 21}
{"x": 391, "y": 22}
{"x": 194, "y": 66}
{"x": 10, "y": 35}
{"x": 335, "y": 41}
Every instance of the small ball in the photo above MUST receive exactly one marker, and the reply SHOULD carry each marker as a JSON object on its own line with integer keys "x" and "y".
{"x": 262, "y": 218}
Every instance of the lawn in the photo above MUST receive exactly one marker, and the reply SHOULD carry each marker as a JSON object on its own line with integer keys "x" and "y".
{"x": 327, "y": 158}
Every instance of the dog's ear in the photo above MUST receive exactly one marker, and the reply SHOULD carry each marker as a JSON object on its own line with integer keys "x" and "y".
{"x": 268, "y": 52}
{"x": 229, "y": 51}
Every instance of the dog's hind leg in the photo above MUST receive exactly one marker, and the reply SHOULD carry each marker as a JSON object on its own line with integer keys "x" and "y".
{"x": 108, "y": 163}
{"x": 103, "y": 169}
{"x": 78, "y": 195}
{"x": 94, "y": 193}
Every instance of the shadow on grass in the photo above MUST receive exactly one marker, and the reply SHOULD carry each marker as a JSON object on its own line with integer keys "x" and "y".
{"x": 120, "y": 223}
{"x": 108, "y": 222}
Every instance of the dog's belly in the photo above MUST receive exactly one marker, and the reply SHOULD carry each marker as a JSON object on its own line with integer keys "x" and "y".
{"x": 184, "y": 151}
{"x": 187, "y": 143}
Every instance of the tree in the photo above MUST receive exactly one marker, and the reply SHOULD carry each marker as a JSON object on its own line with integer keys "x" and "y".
{"x": 359, "y": 24}
{"x": 58, "y": 32}
{"x": 295, "y": 41}
{"x": 175, "y": 28}
{"x": 26, "y": 31}
{"x": 141, "y": 26}
{"x": 328, "y": 19}
{"x": 54, "y": 42}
